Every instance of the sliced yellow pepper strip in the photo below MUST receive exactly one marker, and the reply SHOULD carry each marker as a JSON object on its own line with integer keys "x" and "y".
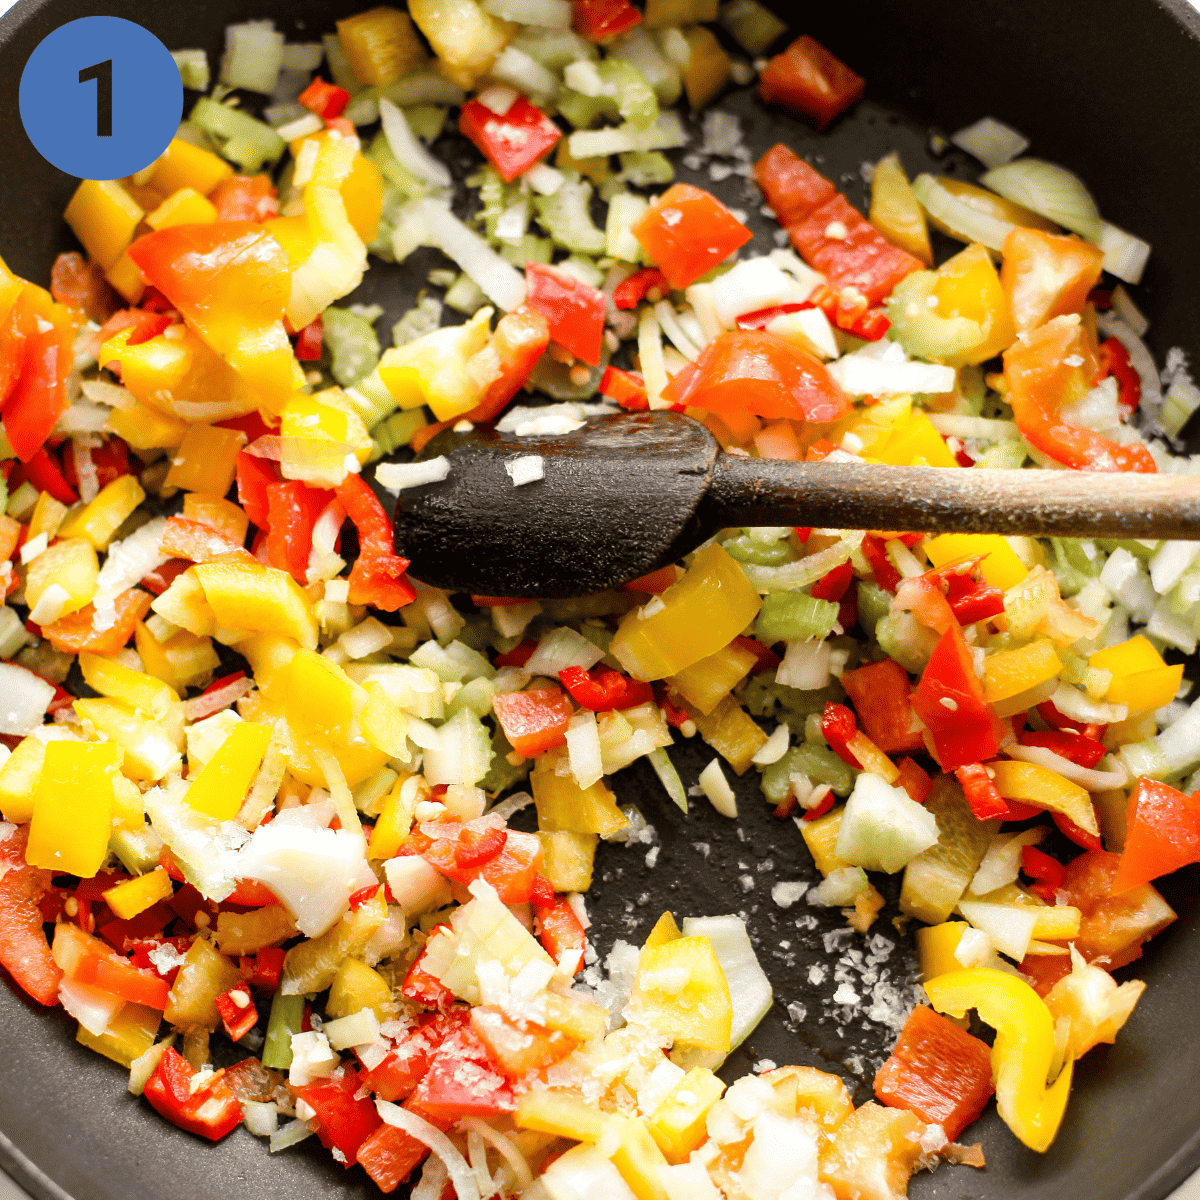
{"x": 1045, "y": 788}
{"x": 221, "y": 786}
{"x": 1023, "y": 1051}
{"x": 72, "y": 808}
{"x": 136, "y": 895}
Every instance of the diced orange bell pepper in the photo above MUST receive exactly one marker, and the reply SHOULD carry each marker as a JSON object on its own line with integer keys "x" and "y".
{"x": 74, "y": 633}
{"x": 688, "y": 231}
{"x": 1045, "y": 276}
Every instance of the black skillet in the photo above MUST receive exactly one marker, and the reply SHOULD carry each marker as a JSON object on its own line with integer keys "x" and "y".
{"x": 1106, "y": 87}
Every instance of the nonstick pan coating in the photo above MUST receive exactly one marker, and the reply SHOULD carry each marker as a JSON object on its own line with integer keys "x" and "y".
{"x": 1106, "y": 87}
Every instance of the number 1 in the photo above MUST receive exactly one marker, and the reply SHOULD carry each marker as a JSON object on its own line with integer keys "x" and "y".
{"x": 102, "y": 73}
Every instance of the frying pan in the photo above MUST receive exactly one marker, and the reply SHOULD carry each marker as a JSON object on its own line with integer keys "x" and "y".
{"x": 1105, "y": 87}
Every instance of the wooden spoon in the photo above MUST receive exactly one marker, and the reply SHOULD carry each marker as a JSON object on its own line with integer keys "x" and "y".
{"x": 629, "y": 493}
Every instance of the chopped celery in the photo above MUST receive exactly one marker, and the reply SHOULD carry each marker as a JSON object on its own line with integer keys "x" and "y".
{"x": 624, "y": 211}
{"x": 1003, "y": 455}
{"x": 794, "y": 616}
{"x": 339, "y": 65}
{"x": 874, "y": 603}
{"x": 922, "y": 330}
{"x": 371, "y": 400}
{"x": 463, "y": 753}
{"x": 566, "y": 217}
{"x": 363, "y": 109}
{"x": 1074, "y": 566}
{"x": 495, "y": 197}
{"x": 554, "y": 48}
{"x": 396, "y": 431}
{"x": 191, "y": 133}
{"x": 636, "y": 101}
{"x": 646, "y": 168}
{"x": 502, "y": 774}
{"x": 426, "y": 120}
{"x": 554, "y": 378}
{"x": 903, "y": 638}
{"x": 639, "y": 48}
{"x": 393, "y": 171}
{"x": 476, "y": 695}
{"x": 424, "y": 318}
{"x": 584, "y": 111}
{"x": 287, "y": 1015}
{"x": 669, "y": 777}
{"x": 352, "y": 343}
{"x": 253, "y": 56}
{"x": 762, "y": 695}
{"x": 883, "y": 828}
{"x": 747, "y": 549}
{"x": 243, "y": 140}
{"x": 193, "y": 68}
{"x": 818, "y": 763}
{"x": 530, "y": 248}
{"x": 464, "y": 295}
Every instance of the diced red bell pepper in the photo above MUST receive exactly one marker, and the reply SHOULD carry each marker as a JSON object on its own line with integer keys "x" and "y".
{"x": 198, "y": 542}
{"x": 792, "y": 188}
{"x": 838, "y": 727}
{"x": 512, "y": 870}
{"x": 1081, "y": 750}
{"x": 981, "y": 792}
{"x": 768, "y": 660}
{"x": 1114, "y": 361}
{"x": 142, "y": 325}
{"x": 875, "y": 552}
{"x": 604, "y": 689}
{"x": 110, "y": 460}
{"x": 244, "y": 198}
{"x": 880, "y": 695}
{"x": 344, "y": 1119}
{"x": 81, "y": 285}
{"x": 833, "y": 584}
{"x": 601, "y": 20}
{"x": 914, "y": 780}
{"x": 74, "y": 633}
{"x": 42, "y": 470}
{"x": 542, "y": 894}
{"x": 15, "y": 331}
{"x": 122, "y": 979}
{"x": 574, "y": 310}
{"x": 377, "y": 577}
{"x": 949, "y": 699}
{"x": 424, "y": 988}
{"x": 755, "y": 371}
{"x": 821, "y": 808}
{"x": 627, "y": 388}
{"x": 534, "y": 721}
{"x": 1049, "y": 873}
{"x": 512, "y": 141}
{"x": 325, "y": 99}
{"x": 254, "y": 476}
{"x": 687, "y": 232}
{"x": 390, "y": 1155}
{"x": 473, "y": 850}
{"x": 518, "y": 656}
{"x": 211, "y": 1112}
{"x": 238, "y": 1013}
{"x": 647, "y": 284}
{"x": 292, "y": 511}
{"x": 310, "y": 341}
{"x": 39, "y": 396}
{"x": 146, "y": 925}
{"x": 1163, "y": 834}
{"x": 809, "y": 81}
{"x": 938, "y": 1071}
{"x": 24, "y": 951}
{"x": 462, "y": 1082}
{"x": 562, "y": 936}
{"x": 262, "y": 970}
{"x": 1081, "y": 837}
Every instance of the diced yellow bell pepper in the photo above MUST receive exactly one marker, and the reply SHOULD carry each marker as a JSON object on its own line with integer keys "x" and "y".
{"x": 206, "y": 459}
{"x": 681, "y": 992}
{"x": 245, "y": 933}
{"x": 11, "y": 286}
{"x": 149, "y": 753}
{"x": 180, "y": 661}
{"x": 1131, "y": 657}
{"x": 126, "y": 278}
{"x": 1140, "y": 678}
{"x": 708, "y": 68}
{"x": 259, "y": 599}
{"x": 221, "y": 786}
{"x": 465, "y": 39}
{"x": 1045, "y": 788}
{"x": 128, "y": 1036}
{"x": 223, "y": 515}
{"x": 677, "y": 1124}
{"x": 562, "y": 1114}
{"x": 312, "y": 966}
{"x": 47, "y": 516}
{"x": 269, "y": 655}
{"x": 433, "y": 369}
{"x": 706, "y": 683}
{"x": 184, "y": 604}
{"x": 915, "y": 443}
{"x": 119, "y": 682}
{"x": 146, "y": 428}
{"x": 895, "y": 210}
{"x": 361, "y": 191}
{"x": 393, "y": 824}
{"x": 638, "y": 1158}
{"x": 568, "y": 859}
{"x": 380, "y": 45}
{"x": 357, "y": 986}
{"x": 383, "y": 723}
{"x": 1007, "y": 673}
{"x": 821, "y": 836}
{"x": 204, "y": 975}
{"x": 731, "y": 732}
{"x": 136, "y": 895}
{"x": 184, "y": 207}
{"x": 665, "y": 930}
{"x": 968, "y": 286}
{"x": 129, "y": 809}
{"x": 1000, "y": 567}
{"x": 100, "y": 519}
{"x": 321, "y": 431}
{"x": 578, "y": 1019}
{"x": 872, "y": 427}
{"x": 563, "y": 805}
{"x": 1022, "y": 1053}
{"x": 695, "y": 617}
{"x": 103, "y": 216}
{"x": 936, "y": 945}
{"x": 662, "y": 14}
{"x": 69, "y": 564}
{"x": 72, "y": 807}
{"x": 18, "y": 779}
{"x": 183, "y": 165}
{"x": 872, "y": 1152}
{"x": 816, "y": 1095}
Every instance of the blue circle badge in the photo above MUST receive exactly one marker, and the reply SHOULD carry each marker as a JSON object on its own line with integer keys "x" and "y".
{"x": 101, "y": 98}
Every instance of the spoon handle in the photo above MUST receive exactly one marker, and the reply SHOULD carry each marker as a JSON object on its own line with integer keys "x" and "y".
{"x": 755, "y": 491}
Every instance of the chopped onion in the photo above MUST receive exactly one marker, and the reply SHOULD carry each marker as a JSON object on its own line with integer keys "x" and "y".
{"x": 525, "y": 468}
{"x": 409, "y": 152}
{"x": 1050, "y": 191}
{"x": 547, "y": 14}
{"x": 1075, "y": 706}
{"x": 432, "y": 1184}
{"x": 716, "y": 787}
{"x": 650, "y": 351}
{"x": 668, "y": 320}
{"x": 395, "y": 477}
{"x": 439, "y": 1144}
{"x": 544, "y": 179}
{"x": 1010, "y": 926}
{"x": 499, "y": 280}
{"x": 91, "y": 1006}
{"x": 749, "y": 988}
{"x": 111, "y": 394}
{"x": 980, "y": 429}
{"x": 991, "y": 141}
{"x": 583, "y": 749}
{"x": 129, "y": 561}
{"x": 85, "y": 468}
{"x": 749, "y": 286}
{"x": 1125, "y": 256}
{"x": 1002, "y": 862}
{"x": 205, "y": 705}
{"x": 805, "y": 665}
{"x": 25, "y": 697}
{"x": 302, "y": 127}
{"x": 498, "y": 98}
{"x": 1094, "y": 781}
{"x": 1129, "y": 312}
{"x": 666, "y": 133}
{"x": 561, "y": 648}
{"x": 253, "y": 56}
{"x": 866, "y": 375}
{"x": 504, "y": 1146}
{"x": 700, "y": 297}
{"x": 1139, "y": 356}
{"x": 966, "y": 222}
{"x": 303, "y": 56}
{"x": 290, "y": 1134}
{"x": 1182, "y": 399}
{"x": 82, "y": 417}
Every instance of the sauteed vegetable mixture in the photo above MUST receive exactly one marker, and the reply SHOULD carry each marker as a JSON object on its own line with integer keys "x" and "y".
{"x": 258, "y": 781}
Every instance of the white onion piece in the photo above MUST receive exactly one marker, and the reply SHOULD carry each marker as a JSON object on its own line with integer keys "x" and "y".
{"x": 111, "y": 394}
{"x": 503, "y": 1145}
{"x": 583, "y": 749}
{"x": 560, "y": 648}
{"x": 1124, "y": 307}
{"x": 981, "y": 429}
{"x": 990, "y": 141}
{"x": 25, "y": 697}
{"x": 1094, "y": 781}
{"x": 395, "y": 477}
{"x": 409, "y": 152}
{"x": 866, "y": 375}
{"x": 1002, "y": 862}
{"x": 968, "y": 223}
{"x": 129, "y": 561}
{"x": 439, "y": 1144}
{"x": 1139, "y": 356}
{"x": 547, "y": 14}
{"x": 92, "y": 1007}
{"x": 1050, "y": 191}
{"x": 1125, "y": 256}
{"x": 668, "y": 319}
{"x": 716, "y": 787}
{"x": 212, "y": 702}
{"x": 498, "y": 279}
{"x": 432, "y": 1183}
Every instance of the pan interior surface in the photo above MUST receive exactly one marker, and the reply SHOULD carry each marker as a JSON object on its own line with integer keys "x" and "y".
{"x": 68, "y": 1128}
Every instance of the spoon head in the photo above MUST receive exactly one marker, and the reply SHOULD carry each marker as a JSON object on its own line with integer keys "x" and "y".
{"x": 616, "y": 500}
